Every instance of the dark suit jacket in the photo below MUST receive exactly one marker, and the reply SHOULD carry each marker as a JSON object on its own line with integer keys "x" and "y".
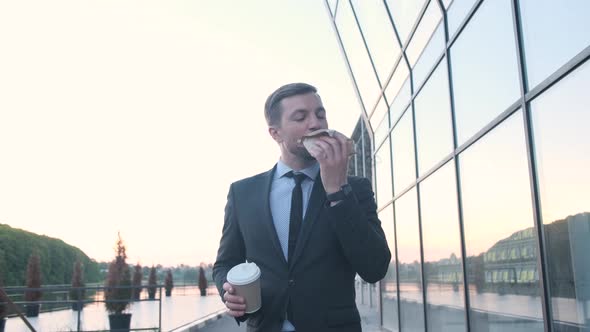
{"x": 335, "y": 243}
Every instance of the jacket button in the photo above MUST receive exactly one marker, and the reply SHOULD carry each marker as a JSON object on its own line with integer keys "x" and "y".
{"x": 291, "y": 282}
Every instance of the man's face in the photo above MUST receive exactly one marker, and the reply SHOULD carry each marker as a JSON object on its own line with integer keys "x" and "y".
{"x": 301, "y": 114}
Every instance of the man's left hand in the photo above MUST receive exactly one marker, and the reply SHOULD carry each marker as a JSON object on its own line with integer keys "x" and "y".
{"x": 332, "y": 155}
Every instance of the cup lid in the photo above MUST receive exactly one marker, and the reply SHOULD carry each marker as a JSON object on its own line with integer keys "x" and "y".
{"x": 243, "y": 274}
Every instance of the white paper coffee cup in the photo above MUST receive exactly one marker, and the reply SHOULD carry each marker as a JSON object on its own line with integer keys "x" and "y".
{"x": 245, "y": 279}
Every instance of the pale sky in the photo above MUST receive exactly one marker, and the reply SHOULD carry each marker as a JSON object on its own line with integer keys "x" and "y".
{"x": 135, "y": 116}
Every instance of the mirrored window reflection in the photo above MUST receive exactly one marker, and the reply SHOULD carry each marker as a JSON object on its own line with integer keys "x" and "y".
{"x": 379, "y": 35}
{"x": 560, "y": 125}
{"x": 564, "y": 29}
{"x": 457, "y": 12}
{"x": 427, "y": 25}
{"x": 362, "y": 69}
{"x": 405, "y": 14}
{"x": 389, "y": 282}
{"x": 332, "y": 4}
{"x": 410, "y": 272}
{"x": 428, "y": 58}
{"x": 354, "y": 164}
{"x": 398, "y": 78}
{"x": 382, "y": 130}
{"x": 383, "y": 173}
{"x": 443, "y": 273}
{"x": 500, "y": 240}
{"x": 447, "y": 3}
{"x": 434, "y": 134}
{"x": 485, "y": 71}
{"x": 366, "y": 150}
{"x": 404, "y": 165}
{"x": 379, "y": 114}
{"x": 363, "y": 158}
{"x": 400, "y": 102}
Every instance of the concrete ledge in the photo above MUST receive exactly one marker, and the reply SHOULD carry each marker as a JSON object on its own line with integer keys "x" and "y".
{"x": 201, "y": 322}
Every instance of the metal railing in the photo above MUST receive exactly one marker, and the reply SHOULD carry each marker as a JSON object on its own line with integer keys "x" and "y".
{"x": 59, "y": 297}
{"x": 364, "y": 290}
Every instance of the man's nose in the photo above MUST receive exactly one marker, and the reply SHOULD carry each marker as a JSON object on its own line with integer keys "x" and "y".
{"x": 315, "y": 123}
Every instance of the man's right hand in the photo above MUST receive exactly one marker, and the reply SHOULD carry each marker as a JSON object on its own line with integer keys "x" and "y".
{"x": 235, "y": 303}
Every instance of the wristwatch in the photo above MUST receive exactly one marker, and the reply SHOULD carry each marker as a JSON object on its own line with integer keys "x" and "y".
{"x": 341, "y": 194}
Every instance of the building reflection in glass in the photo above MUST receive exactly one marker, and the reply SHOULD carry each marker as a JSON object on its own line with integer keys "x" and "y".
{"x": 443, "y": 272}
{"x": 504, "y": 288}
{"x": 389, "y": 305}
{"x": 560, "y": 125}
{"x": 507, "y": 272}
{"x": 409, "y": 262}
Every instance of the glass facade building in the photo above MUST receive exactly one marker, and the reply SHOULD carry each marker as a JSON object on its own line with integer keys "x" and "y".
{"x": 472, "y": 128}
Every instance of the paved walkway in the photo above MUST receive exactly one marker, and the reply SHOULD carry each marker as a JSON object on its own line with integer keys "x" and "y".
{"x": 369, "y": 320}
{"x": 367, "y": 303}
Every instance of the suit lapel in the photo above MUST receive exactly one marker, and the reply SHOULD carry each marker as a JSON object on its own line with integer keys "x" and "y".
{"x": 315, "y": 205}
{"x": 267, "y": 215}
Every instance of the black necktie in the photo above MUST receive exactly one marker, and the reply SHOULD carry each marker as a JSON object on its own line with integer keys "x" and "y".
{"x": 296, "y": 215}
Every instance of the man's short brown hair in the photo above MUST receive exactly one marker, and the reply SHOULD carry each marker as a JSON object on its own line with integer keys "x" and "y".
{"x": 272, "y": 107}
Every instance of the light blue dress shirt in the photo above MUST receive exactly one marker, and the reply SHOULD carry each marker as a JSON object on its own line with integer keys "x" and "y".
{"x": 280, "y": 205}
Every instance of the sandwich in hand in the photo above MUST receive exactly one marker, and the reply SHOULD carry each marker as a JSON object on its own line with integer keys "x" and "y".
{"x": 309, "y": 140}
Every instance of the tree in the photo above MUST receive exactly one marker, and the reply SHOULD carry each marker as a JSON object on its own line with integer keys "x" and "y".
{"x": 137, "y": 276}
{"x": 168, "y": 283}
{"x": 118, "y": 276}
{"x": 57, "y": 258}
{"x": 152, "y": 282}
{"x": 3, "y": 306}
{"x": 202, "y": 281}
{"x": 33, "y": 281}
{"x": 77, "y": 293}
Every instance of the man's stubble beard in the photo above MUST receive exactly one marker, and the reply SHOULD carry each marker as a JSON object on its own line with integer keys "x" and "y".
{"x": 302, "y": 152}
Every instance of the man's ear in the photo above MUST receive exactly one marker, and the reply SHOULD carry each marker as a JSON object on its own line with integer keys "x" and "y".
{"x": 274, "y": 133}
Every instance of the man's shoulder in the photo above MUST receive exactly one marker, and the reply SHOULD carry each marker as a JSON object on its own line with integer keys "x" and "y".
{"x": 252, "y": 180}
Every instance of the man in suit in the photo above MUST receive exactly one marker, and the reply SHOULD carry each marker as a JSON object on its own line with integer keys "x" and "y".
{"x": 308, "y": 226}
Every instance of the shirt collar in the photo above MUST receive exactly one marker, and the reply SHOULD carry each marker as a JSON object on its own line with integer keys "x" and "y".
{"x": 311, "y": 171}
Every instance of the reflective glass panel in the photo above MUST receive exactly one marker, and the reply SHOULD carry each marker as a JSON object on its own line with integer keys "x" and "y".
{"x": 434, "y": 134}
{"x": 353, "y": 165}
{"x": 358, "y": 57}
{"x": 332, "y": 4}
{"x": 445, "y": 310}
{"x": 382, "y": 130}
{"x": 364, "y": 155}
{"x": 398, "y": 90}
{"x": 428, "y": 58}
{"x": 355, "y": 168}
{"x": 367, "y": 153}
{"x": 564, "y": 27}
{"x": 408, "y": 250}
{"x": 405, "y": 14}
{"x": 485, "y": 71}
{"x": 383, "y": 173}
{"x": 457, "y": 12}
{"x": 422, "y": 35}
{"x": 400, "y": 102}
{"x": 379, "y": 35}
{"x": 447, "y": 3}
{"x": 379, "y": 113}
{"x": 404, "y": 165}
{"x": 389, "y": 282}
{"x": 560, "y": 124}
{"x": 500, "y": 241}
